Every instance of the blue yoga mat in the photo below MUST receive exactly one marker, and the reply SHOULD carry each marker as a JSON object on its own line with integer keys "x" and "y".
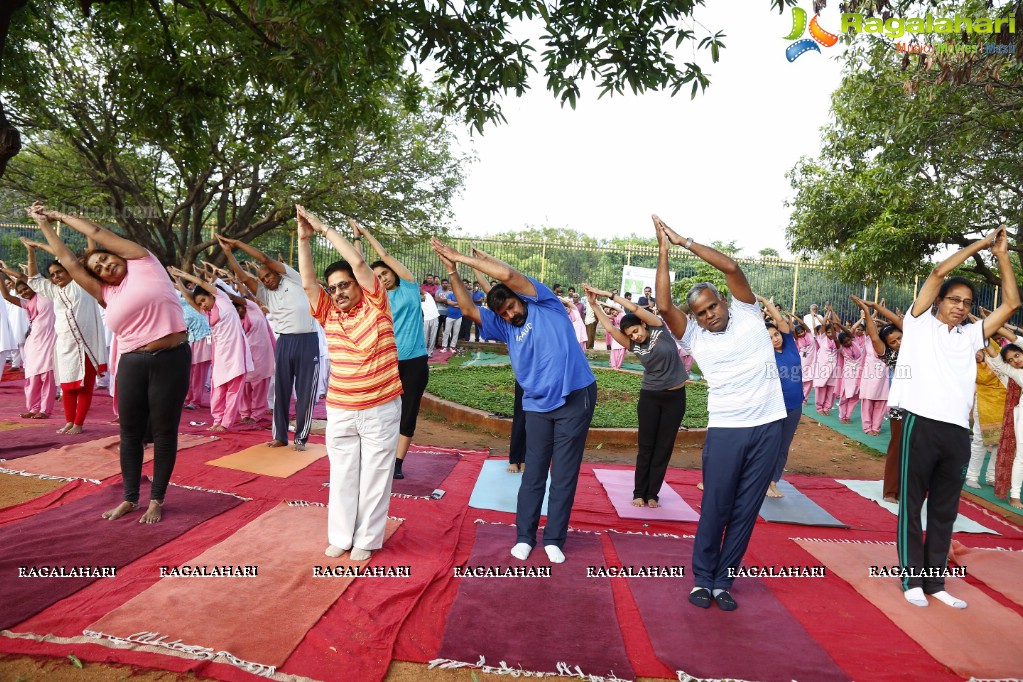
{"x": 499, "y": 490}
{"x": 796, "y": 508}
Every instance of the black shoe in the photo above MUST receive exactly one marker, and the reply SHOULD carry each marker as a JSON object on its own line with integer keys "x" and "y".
{"x": 725, "y": 601}
{"x": 700, "y": 597}
{"x": 398, "y": 474}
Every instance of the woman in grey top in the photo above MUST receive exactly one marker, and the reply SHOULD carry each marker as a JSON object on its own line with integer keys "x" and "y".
{"x": 662, "y": 397}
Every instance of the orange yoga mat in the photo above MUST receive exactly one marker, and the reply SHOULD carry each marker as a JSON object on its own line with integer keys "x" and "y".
{"x": 981, "y": 641}
{"x": 1001, "y": 570}
{"x": 252, "y": 621}
{"x": 279, "y": 462}
{"x": 93, "y": 461}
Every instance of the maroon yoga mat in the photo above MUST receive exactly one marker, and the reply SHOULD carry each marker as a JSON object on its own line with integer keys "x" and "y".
{"x": 75, "y": 535}
{"x": 760, "y": 640}
{"x": 32, "y": 440}
{"x": 536, "y": 623}
{"x": 424, "y": 473}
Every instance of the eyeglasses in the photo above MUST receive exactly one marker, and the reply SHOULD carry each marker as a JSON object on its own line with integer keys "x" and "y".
{"x": 955, "y": 300}
{"x": 340, "y": 286}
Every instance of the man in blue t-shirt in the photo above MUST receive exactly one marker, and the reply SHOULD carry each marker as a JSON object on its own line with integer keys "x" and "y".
{"x": 452, "y": 319}
{"x": 559, "y": 390}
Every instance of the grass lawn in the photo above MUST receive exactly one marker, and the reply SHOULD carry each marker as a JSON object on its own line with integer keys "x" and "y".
{"x": 493, "y": 389}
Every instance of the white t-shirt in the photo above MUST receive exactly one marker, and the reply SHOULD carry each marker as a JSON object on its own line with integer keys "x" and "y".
{"x": 429, "y": 306}
{"x": 811, "y": 321}
{"x": 738, "y": 363}
{"x": 288, "y": 304}
{"x": 936, "y": 374}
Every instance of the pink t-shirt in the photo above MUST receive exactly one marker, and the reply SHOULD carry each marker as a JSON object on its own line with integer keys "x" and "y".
{"x": 144, "y": 307}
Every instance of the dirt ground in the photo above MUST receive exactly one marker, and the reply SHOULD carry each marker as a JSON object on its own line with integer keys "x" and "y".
{"x": 816, "y": 450}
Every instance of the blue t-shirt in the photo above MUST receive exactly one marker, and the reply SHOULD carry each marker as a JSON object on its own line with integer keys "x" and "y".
{"x": 407, "y": 310}
{"x": 198, "y": 325}
{"x": 454, "y": 312}
{"x": 790, "y": 371}
{"x": 547, "y": 360}
{"x": 477, "y": 298}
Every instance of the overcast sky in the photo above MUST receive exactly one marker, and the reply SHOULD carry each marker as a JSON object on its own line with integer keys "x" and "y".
{"x": 712, "y": 168}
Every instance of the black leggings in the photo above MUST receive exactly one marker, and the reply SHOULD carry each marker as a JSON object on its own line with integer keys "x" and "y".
{"x": 151, "y": 389}
{"x": 415, "y": 375}
{"x": 660, "y": 415}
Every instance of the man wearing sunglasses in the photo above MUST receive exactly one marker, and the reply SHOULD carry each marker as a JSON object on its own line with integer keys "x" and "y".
{"x": 935, "y": 381}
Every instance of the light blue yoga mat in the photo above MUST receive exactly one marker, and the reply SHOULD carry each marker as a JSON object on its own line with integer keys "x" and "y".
{"x": 874, "y": 491}
{"x": 796, "y": 508}
{"x": 854, "y": 430}
{"x": 499, "y": 490}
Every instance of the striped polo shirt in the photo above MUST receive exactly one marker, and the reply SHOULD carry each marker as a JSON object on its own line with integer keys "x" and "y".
{"x": 363, "y": 354}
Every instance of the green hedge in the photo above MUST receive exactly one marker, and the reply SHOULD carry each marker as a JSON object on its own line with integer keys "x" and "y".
{"x": 492, "y": 389}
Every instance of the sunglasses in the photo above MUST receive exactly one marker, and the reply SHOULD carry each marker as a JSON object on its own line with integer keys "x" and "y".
{"x": 340, "y": 286}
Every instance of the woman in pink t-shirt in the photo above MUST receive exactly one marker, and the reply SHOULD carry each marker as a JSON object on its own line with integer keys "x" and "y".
{"x": 232, "y": 359}
{"x": 153, "y": 360}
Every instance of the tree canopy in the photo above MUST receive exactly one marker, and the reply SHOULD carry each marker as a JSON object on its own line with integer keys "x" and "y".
{"x": 925, "y": 153}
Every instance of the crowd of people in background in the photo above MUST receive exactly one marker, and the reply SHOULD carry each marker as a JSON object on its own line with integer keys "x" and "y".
{"x": 260, "y": 337}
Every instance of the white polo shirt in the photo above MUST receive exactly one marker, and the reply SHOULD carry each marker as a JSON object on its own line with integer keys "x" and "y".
{"x": 288, "y": 303}
{"x": 738, "y": 363}
{"x": 936, "y": 374}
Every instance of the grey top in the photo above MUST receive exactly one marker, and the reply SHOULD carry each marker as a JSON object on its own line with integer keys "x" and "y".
{"x": 662, "y": 365}
{"x": 288, "y": 304}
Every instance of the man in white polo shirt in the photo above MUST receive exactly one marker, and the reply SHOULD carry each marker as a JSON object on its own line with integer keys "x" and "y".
{"x": 935, "y": 382}
{"x": 746, "y": 411}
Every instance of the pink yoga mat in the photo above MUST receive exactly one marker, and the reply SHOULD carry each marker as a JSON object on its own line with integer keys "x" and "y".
{"x": 983, "y": 640}
{"x": 760, "y": 640}
{"x": 538, "y": 624}
{"x": 34, "y": 439}
{"x": 75, "y": 535}
{"x": 1001, "y": 570}
{"x": 618, "y": 484}
{"x": 424, "y": 473}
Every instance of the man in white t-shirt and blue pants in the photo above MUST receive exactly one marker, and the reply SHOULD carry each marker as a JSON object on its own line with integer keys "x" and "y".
{"x": 935, "y": 383}
{"x": 746, "y": 411}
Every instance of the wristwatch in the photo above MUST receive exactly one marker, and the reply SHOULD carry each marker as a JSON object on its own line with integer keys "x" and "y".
{"x": 688, "y": 244}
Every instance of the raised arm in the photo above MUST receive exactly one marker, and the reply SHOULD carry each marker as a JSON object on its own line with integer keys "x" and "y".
{"x": 645, "y": 316}
{"x": 393, "y": 263}
{"x": 892, "y": 317}
{"x": 736, "y": 280}
{"x": 488, "y": 265}
{"x": 776, "y": 315}
{"x": 363, "y": 274}
{"x": 931, "y": 286}
{"x": 306, "y": 268}
{"x": 96, "y": 234}
{"x": 252, "y": 252}
{"x": 485, "y": 284}
{"x": 875, "y": 338}
{"x": 1010, "y": 291}
{"x": 837, "y": 321}
{"x": 227, "y": 246}
{"x": 672, "y": 315}
{"x": 605, "y": 321}
{"x": 60, "y": 250}
{"x": 5, "y": 290}
{"x": 464, "y": 298}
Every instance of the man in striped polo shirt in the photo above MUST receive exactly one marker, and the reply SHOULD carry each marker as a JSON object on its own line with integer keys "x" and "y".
{"x": 745, "y": 406}
{"x": 363, "y": 394}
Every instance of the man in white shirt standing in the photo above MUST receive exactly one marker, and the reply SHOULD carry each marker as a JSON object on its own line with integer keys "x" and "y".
{"x": 935, "y": 382}
{"x": 430, "y": 320}
{"x": 812, "y": 320}
{"x": 745, "y": 406}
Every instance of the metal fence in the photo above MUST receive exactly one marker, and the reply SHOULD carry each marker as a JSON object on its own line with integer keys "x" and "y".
{"x": 793, "y": 285}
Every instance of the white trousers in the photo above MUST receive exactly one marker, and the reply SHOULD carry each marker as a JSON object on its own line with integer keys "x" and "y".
{"x": 430, "y": 331}
{"x": 978, "y": 452}
{"x": 361, "y": 445}
{"x": 451, "y": 327}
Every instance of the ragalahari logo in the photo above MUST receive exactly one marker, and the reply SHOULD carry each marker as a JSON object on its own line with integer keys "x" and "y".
{"x": 818, "y": 35}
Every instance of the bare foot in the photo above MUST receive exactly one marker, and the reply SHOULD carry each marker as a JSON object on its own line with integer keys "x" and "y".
{"x": 217, "y": 428}
{"x": 73, "y": 431}
{"x": 64, "y": 428}
{"x": 154, "y": 513}
{"x": 275, "y": 444}
{"x": 120, "y": 510}
{"x": 298, "y": 446}
{"x": 891, "y": 499}
{"x": 638, "y": 502}
{"x": 1015, "y": 502}
{"x": 653, "y": 504}
{"x": 772, "y": 490}
{"x": 40, "y": 415}
{"x": 699, "y": 486}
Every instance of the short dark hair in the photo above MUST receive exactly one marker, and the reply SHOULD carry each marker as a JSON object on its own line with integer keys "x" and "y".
{"x": 770, "y": 324}
{"x": 1005, "y": 350}
{"x": 957, "y": 281}
{"x": 887, "y": 331}
{"x": 338, "y": 266}
{"x": 380, "y": 264}
{"x": 629, "y": 320}
{"x": 842, "y": 336}
{"x": 498, "y": 295}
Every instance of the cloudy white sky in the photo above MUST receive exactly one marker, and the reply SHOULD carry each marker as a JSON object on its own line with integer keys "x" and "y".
{"x": 713, "y": 167}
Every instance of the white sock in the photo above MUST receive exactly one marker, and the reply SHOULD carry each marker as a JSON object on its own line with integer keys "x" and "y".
{"x": 915, "y": 596}
{"x": 521, "y": 551}
{"x": 717, "y": 592}
{"x": 333, "y": 551}
{"x": 946, "y": 598}
{"x": 360, "y": 554}
{"x": 554, "y": 554}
